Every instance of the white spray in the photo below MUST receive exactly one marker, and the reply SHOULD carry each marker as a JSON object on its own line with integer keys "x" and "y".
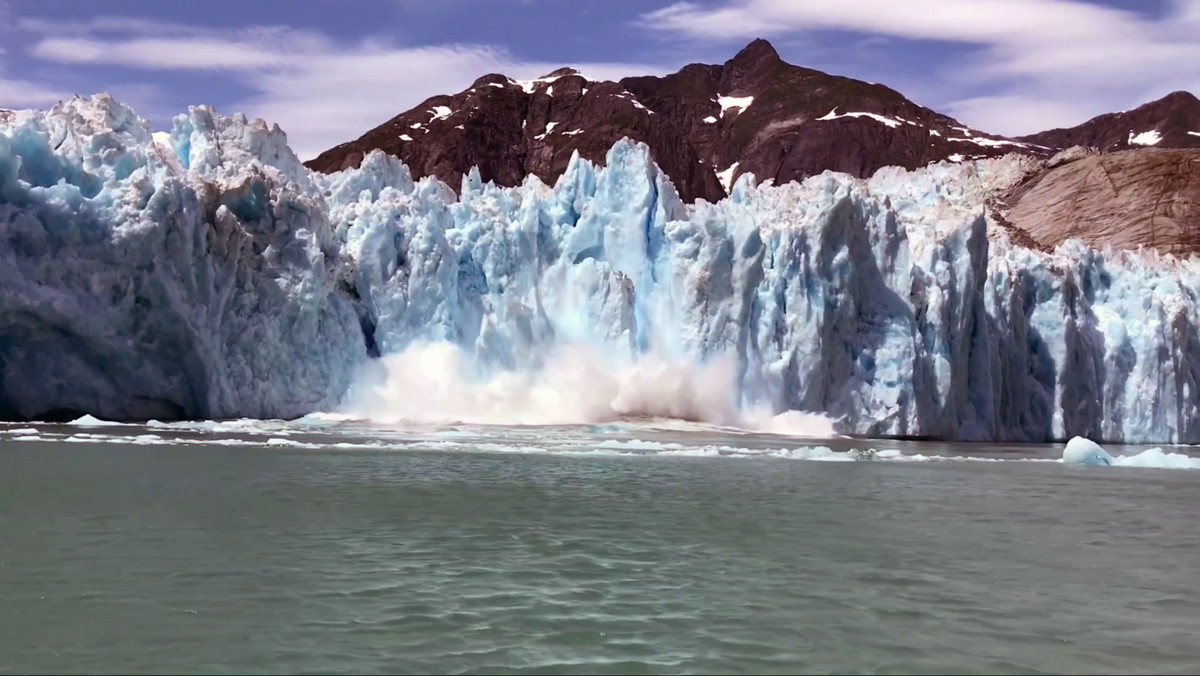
{"x": 439, "y": 383}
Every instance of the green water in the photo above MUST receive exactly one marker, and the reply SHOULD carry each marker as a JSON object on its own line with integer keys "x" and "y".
{"x": 124, "y": 558}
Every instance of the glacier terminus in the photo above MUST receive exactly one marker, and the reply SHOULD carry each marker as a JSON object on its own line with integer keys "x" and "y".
{"x": 209, "y": 274}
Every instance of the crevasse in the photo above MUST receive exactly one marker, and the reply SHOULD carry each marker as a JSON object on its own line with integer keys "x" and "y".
{"x": 214, "y": 276}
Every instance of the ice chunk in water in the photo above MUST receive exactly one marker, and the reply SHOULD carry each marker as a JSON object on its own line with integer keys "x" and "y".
{"x": 1080, "y": 451}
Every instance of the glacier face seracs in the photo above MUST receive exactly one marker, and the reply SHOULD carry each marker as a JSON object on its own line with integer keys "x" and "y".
{"x": 143, "y": 281}
{"x": 886, "y": 304}
{"x": 862, "y": 300}
{"x": 890, "y": 304}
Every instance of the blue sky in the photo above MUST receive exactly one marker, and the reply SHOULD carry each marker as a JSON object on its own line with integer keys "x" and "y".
{"x": 327, "y": 70}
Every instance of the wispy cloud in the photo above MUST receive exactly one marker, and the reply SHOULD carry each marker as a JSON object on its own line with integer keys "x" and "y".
{"x": 1046, "y": 62}
{"x": 985, "y": 21}
{"x": 157, "y": 45}
{"x": 159, "y": 53}
{"x": 1029, "y": 64}
{"x": 321, "y": 91}
{"x": 22, "y": 93}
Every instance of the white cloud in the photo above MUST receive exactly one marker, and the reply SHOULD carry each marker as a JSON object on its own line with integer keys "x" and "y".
{"x": 25, "y": 94}
{"x": 159, "y": 53}
{"x": 321, "y": 92}
{"x": 1034, "y": 114}
{"x": 1035, "y": 63}
{"x": 980, "y": 21}
{"x": 1187, "y": 11}
{"x": 156, "y": 45}
{"x": 1053, "y": 56}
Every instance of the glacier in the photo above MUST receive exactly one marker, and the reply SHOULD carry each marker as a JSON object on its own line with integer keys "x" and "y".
{"x": 140, "y": 281}
{"x": 209, "y": 274}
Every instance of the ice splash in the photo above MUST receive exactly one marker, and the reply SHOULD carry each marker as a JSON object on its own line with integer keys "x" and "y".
{"x": 440, "y": 383}
{"x": 791, "y": 423}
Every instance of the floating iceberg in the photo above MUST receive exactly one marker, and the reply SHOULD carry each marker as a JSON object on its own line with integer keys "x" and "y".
{"x": 1080, "y": 451}
{"x": 214, "y": 276}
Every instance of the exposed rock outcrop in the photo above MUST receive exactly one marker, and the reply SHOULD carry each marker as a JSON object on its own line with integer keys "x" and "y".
{"x": 1124, "y": 199}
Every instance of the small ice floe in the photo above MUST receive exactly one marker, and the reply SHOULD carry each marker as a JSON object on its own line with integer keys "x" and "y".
{"x": 1080, "y": 451}
{"x": 88, "y": 420}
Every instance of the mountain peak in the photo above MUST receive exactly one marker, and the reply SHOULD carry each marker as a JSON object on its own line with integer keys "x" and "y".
{"x": 1177, "y": 98}
{"x": 560, "y": 72}
{"x": 758, "y": 51}
{"x": 490, "y": 78}
{"x": 1172, "y": 121}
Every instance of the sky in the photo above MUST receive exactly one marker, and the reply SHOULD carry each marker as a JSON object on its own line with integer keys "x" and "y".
{"x": 328, "y": 70}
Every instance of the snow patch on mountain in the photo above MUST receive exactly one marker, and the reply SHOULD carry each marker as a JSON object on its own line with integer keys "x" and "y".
{"x": 529, "y": 86}
{"x": 735, "y": 103}
{"x": 1146, "y": 138}
{"x": 726, "y": 176}
{"x": 989, "y": 142}
{"x": 893, "y": 123}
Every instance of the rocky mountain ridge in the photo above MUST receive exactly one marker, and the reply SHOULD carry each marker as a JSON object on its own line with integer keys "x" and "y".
{"x": 1126, "y": 179}
{"x": 1170, "y": 122}
{"x": 705, "y": 125}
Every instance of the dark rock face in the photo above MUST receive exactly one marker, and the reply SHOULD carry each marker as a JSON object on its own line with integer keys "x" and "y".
{"x": 1170, "y": 122}
{"x": 800, "y": 122}
{"x": 765, "y": 116}
{"x": 708, "y": 124}
{"x": 510, "y": 129}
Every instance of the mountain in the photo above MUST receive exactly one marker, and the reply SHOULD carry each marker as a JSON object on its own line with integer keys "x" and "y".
{"x": 705, "y": 125}
{"x": 759, "y": 114}
{"x": 1170, "y": 122}
{"x": 510, "y": 129}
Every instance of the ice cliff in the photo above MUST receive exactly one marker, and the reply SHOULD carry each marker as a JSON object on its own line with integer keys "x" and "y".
{"x": 211, "y": 275}
{"x": 142, "y": 280}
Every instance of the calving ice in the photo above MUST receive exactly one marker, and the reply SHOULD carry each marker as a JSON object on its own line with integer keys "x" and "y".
{"x": 211, "y": 275}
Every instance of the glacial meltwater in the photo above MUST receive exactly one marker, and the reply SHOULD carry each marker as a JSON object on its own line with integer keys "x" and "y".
{"x": 644, "y": 547}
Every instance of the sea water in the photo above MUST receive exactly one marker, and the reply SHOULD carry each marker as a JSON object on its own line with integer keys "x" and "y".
{"x": 633, "y": 547}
